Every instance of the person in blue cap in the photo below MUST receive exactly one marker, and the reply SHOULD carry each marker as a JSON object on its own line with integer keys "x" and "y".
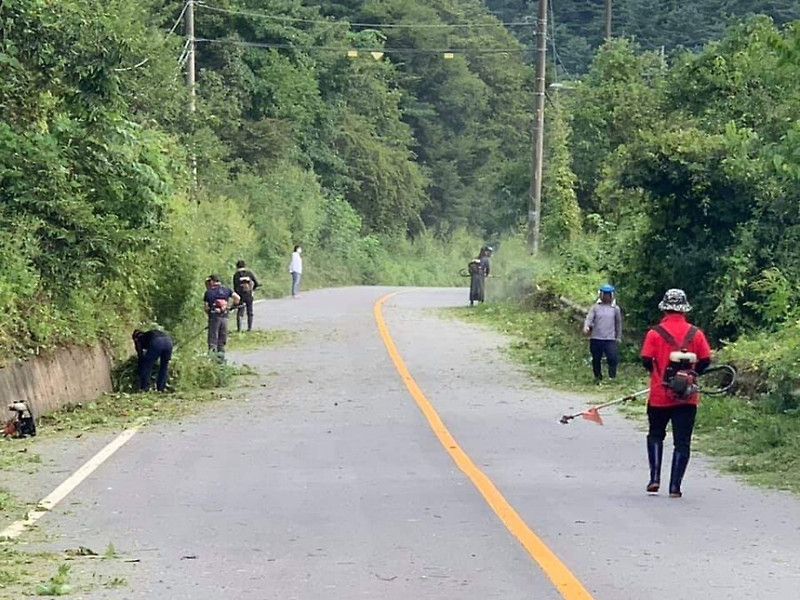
{"x": 603, "y": 325}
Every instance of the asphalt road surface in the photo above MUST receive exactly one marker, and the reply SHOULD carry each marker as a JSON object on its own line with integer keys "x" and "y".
{"x": 435, "y": 470}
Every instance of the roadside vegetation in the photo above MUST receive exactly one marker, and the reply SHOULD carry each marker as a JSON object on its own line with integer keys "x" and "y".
{"x": 392, "y": 163}
{"x": 70, "y": 573}
{"x": 684, "y": 171}
{"x": 754, "y": 433}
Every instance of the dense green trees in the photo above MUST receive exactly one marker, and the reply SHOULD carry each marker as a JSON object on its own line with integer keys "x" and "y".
{"x": 691, "y": 171}
{"x": 84, "y": 185}
{"x": 578, "y": 26}
{"x": 345, "y": 127}
{"x": 293, "y": 140}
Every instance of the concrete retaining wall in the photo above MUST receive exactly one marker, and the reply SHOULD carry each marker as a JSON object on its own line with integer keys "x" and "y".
{"x": 47, "y": 383}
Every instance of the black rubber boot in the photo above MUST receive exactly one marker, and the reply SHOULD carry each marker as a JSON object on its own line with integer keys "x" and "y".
{"x": 679, "y": 463}
{"x": 655, "y": 452}
{"x": 249, "y": 322}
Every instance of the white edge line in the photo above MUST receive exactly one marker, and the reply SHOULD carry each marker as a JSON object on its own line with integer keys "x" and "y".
{"x": 70, "y": 483}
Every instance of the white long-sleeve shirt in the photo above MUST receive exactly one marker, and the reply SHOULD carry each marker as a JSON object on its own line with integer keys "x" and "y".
{"x": 296, "y": 264}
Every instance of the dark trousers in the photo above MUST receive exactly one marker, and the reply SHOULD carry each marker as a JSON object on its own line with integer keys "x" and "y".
{"x": 217, "y": 332}
{"x": 600, "y": 347}
{"x": 476, "y": 287}
{"x": 245, "y": 304}
{"x": 682, "y": 418}
{"x": 160, "y": 349}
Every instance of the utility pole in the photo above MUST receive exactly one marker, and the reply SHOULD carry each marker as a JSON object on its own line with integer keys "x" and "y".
{"x": 190, "y": 75}
{"x": 190, "y": 68}
{"x": 608, "y": 21}
{"x": 535, "y": 203}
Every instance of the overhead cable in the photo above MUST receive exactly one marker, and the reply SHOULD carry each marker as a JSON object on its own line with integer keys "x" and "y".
{"x": 527, "y": 23}
{"x": 346, "y": 49}
{"x": 180, "y": 17}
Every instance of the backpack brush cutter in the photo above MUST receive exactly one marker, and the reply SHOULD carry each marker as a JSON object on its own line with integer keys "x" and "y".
{"x": 723, "y": 378}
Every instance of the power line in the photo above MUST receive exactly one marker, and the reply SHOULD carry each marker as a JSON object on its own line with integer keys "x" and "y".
{"x": 526, "y": 23}
{"x": 180, "y": 17}
{"x": 346, "y": 49}
{"x": 556, "y": 55}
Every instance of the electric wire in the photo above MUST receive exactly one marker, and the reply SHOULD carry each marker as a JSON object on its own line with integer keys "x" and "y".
{"x": 180, "y": 17}
{"x": 141, "y": 63}
{"x": 345, "y": 49}
{"x": 556, "y": 56}
{"x": 184, "y": 52}
{"x": 527, "y": 23}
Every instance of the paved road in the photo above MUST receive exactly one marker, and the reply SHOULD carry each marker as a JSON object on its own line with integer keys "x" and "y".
{"x": 325, "y": 481}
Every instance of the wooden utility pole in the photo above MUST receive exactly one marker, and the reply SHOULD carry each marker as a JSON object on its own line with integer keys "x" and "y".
{"x": 190, "y": 75}
{"x": 190, "y": 67}
{"x": 535, "y": 203}
{"x": 608, "y": 21}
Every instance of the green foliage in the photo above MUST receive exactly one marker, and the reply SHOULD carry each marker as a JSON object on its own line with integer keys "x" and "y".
{"x": 693, "y": 200}
{"x": 6, "y": 500}
{"x": 251, "y": 340}
{"x": 291, "y": 145}
{"x": 619, "y": 97}
{"x": 57, "y": 585}
{"x": 468, "y": 115}
{"x": 561, "y": 215}
{"x": 769, "y": 361}
{"x": 580, "y": 25}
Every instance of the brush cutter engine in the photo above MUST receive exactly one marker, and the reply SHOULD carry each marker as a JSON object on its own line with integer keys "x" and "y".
{"x": 679, "y": 377}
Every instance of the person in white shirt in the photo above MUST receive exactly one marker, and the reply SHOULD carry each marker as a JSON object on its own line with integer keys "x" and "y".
{"x": 296, "y": 270}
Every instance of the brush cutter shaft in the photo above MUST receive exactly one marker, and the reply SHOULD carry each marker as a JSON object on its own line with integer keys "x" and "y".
{"x": 728, "y": 372}
{"x": 623, "y": 399}
{"x": 567, "y": 418}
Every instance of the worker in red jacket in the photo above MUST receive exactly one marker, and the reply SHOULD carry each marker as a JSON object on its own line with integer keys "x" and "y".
{"x": 675, "y": 353}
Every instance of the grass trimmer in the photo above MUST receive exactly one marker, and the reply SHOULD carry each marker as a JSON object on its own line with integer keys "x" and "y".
{"x": 722, "y": 380}
{"x": 591, "y": 414}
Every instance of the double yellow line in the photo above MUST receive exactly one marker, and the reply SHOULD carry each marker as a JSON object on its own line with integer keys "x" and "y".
{"x": 564, "y": 581}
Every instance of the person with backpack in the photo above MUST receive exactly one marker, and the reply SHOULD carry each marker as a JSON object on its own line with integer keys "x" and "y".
{"x": 217, "y": 305}
{"x": 244, "y": 284}
{"x": 478, "y": 269}
{"x": 675, "y": 353}
{"x": 603, "y": 325}
{"x": 152, "y": 346}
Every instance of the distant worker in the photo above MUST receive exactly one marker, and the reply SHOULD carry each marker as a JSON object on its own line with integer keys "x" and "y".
{"x": 217, "y": 304}
{"x": 152, "y": 346}
{"x": 244, "y": 284}
{"x": 603, "y": 324}
{"x": 479, "y": 269}
{"x": 296, "y": 270}
{"x": 675, "y": 353}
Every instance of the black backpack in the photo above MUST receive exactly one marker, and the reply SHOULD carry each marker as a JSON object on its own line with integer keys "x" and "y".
{"x": 245, "y": 282}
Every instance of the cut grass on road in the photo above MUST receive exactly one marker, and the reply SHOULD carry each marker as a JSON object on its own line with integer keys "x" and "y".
{"x": 239, "y": 341}
{"x": 24, "y": 573}
{"x": 760, "y": 446}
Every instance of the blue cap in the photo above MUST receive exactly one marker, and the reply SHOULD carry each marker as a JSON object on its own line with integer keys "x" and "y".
{"x": 607, "y": 288}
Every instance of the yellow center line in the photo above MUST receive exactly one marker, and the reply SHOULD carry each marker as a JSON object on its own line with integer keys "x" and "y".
{"x": 564, "y": 581}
